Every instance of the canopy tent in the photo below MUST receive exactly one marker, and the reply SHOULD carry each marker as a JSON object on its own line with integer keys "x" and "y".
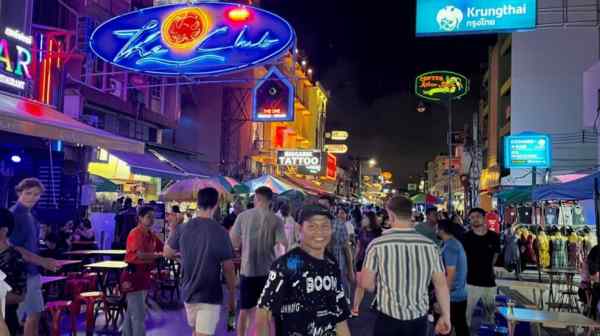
{"x": 227, "y": 182}
{"x": 579, "y": 189}
{"x": 516, "y": 194}
{"x": 187, "y": 190}
{"x": 102, "y": 184}
{"x": 28, "y": 117}
{"x": 278, "y": 186}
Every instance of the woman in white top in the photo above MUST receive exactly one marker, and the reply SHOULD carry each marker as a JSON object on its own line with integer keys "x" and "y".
{"x": 291, "y": 228}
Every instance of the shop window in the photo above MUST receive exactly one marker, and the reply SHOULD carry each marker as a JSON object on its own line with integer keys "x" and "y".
{"x": 152, "y": 135}
{"x": 101, "y": 156}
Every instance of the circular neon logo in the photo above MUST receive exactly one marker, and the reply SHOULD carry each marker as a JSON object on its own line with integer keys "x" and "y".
{"x": 185, "y": 28}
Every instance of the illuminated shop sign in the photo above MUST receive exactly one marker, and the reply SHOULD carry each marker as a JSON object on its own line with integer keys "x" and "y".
{"x": 15, "y": 58}
{"x": 273, "y": 98}
{"x": 192, "y": 39}
{"x": 306, "y": 161}
{"x": 528, "y": 150}
{"x": 451, "y": 17}
{"x": 436, "y": 85}
{"x": 336, "y": 148}
{"x": 331, "y": 166}
{"x": 337, "y": 135}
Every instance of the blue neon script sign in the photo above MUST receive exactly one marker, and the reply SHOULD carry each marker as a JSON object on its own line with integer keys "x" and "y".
{"x": 206, "y": 38}
{"x": 451, "y": 17}
{"x": 527, "y": 150}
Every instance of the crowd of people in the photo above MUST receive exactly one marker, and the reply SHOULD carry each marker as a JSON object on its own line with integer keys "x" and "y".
{"x": 297, "y": 267}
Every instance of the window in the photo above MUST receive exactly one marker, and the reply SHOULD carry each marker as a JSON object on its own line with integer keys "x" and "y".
{"x": 155, "y": 94}
{"x": 124, "y": 127}
{"x": 101, "y": 156}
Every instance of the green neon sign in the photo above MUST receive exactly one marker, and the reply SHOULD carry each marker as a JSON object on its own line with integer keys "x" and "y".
{"x": 436, "y": 85}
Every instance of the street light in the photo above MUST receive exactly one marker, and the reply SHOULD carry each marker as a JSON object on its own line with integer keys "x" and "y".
{"x": 372, "y": 163}
{"x": 304, "y": 63}
{"x": 421, "y": 107}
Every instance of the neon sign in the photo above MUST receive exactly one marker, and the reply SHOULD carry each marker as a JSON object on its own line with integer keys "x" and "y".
{"x": 527, "y": 150}
{"x": 273, "y": 98}
{"x": 15, "y": 59}
{"x": 197, "y": 39}
{"x": 436, "y": 85}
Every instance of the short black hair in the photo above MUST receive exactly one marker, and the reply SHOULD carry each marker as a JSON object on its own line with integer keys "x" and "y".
{"x": 86, "y": 223}
{"x": 145, "y": 210}
{"x": 478, "y": 210}
{"x": 7, "y": 220}
{"x": 449, "y": 227}
{"x": 207, "y": 198}
{"x": 401, "y": 206}
{"x": 308, "y": 211}
{"x": 51, "y": 238}
{"x": 128, "y": 202}
{"x": 175, "y": 209}
{"x": 265, "y": 192}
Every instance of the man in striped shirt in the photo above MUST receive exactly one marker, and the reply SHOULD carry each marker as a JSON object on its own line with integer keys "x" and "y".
{"x": 400, "y": 265}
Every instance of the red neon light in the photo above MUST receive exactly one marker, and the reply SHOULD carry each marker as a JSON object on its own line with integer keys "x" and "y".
{"x": 331, "y": 166}
{"x": 239, "y": 14}
{"x": 31, "y": 108}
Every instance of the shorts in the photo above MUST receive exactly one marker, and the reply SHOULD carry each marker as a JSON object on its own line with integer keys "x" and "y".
{"x": 250, "y": 290}
{"x": 34, "y": 300}
{"x": 203, "y": 317}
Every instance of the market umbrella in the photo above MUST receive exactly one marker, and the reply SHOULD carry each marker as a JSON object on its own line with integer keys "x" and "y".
{"x": 227, "y": 182}
{"x": 277, "y": 185}
{"x": 187, "y": 190}
{"x": 240, "y": 188}
{"x": 296, "y": 197}
{"x": 418, "y": 199}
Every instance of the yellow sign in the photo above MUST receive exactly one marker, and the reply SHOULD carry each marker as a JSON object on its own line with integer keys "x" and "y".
{"x": 387, "y": 175}
{"x": 339, "y": 135}
{"x": 336, "y": 148}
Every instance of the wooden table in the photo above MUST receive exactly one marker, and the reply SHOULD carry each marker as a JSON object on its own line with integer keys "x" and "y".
{"x": 113, "y": 253}
{"x": 63, "y": 263}
{"x": 535, "y": 287}
{"x": 554, "y": 319}
{"x": 51, "y": 279}
{"x": 104, "y": 268}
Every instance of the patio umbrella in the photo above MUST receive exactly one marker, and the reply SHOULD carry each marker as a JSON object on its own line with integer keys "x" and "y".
{"x": 102, "y": 184}
{"x": 277, "y": 185}
{"x": 227, "y": 182}
{"x": 296, "y": 197}
{"x": 240, "y": 188}
{"x": 187, "y": 190}
{"x": 418, "y": 198}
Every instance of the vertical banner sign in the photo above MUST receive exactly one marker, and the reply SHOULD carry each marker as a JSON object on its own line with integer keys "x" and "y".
{"x": 331, "y": 166}
{"x": 273, "y": 98}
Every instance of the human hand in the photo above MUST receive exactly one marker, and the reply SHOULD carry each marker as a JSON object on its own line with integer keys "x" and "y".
{"x": 50, "y": 264}
{"x": 443, "y": 325}
{"x": 231, "y": 302}
{"x": 351, "y": 277}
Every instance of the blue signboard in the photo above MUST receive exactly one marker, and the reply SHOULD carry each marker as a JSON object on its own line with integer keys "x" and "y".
{"x": 206, "y": 38}
{"x": 273, "y": 98}
{"x": 527, "y": 150}
{"x": 451, "y": 17}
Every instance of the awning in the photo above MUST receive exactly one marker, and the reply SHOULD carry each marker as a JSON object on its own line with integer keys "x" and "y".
{"x": 308, "y": 186}
{"x": 102, "y": 184}
{"x": 190, "y": 166}
{"x": 23, "y": 116}
{"x": 148, "y": 164}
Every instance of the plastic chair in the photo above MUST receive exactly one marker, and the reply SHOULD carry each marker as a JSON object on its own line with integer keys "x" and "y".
{"x": 55, "y": 308}
{"x": 90, "y": 299}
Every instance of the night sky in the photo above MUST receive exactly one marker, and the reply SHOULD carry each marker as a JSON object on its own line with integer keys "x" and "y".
{"x": 349, "y": 45}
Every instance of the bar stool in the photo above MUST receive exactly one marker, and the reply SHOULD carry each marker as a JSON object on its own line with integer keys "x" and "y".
{"x": 55, "y": 308}
{"x": 90, "y": 299}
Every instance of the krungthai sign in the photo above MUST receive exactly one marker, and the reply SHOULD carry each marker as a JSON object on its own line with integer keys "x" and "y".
{"x": 205, "y": 38}
{"x": 436, "y": 85}
{"x": 452, "y": 17}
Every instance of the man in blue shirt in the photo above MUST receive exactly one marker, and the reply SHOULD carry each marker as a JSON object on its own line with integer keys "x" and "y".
{"x": 25, "y": 239}
{"x": 455, "y": 261}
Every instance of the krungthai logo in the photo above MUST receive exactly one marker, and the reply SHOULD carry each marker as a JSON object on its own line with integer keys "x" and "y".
{"x": 449, "y": 18}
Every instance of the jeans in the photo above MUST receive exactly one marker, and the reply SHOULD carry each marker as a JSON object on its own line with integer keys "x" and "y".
{"x": 488, "y": 298}
{"x": 458, "y": 317}
{"x": 389, "y": 326}
{"x": 135, "y": 316}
